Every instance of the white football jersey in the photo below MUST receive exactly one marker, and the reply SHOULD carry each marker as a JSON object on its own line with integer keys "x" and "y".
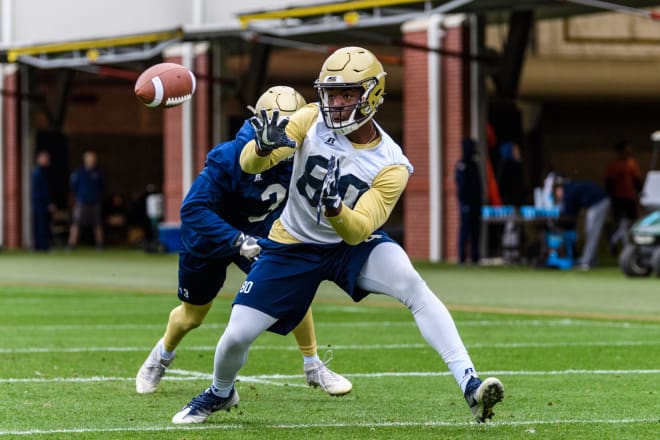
{"x": 358, "y": 168}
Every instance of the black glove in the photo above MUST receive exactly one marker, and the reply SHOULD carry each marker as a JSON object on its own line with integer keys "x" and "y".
{"x": 270, "y": 132}
{"x": 247, "y": 246}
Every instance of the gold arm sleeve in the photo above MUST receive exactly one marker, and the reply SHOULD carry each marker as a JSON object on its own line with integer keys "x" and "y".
{"x": 374, "y": 207}
{"x": 252, "y": 163}
{"x": 299, "y": 124}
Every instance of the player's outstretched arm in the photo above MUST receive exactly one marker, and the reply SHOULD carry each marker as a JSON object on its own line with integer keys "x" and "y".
{"x": 372, "y": 209}
{"x": 253, "y": 161}
{"x": 196, "y": 213}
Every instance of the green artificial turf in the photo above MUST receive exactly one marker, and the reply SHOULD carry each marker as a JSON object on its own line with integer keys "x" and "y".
{"x": 578, "y": 353}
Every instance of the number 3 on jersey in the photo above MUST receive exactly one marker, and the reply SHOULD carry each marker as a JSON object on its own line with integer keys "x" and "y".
{"x": 277, "y": 190}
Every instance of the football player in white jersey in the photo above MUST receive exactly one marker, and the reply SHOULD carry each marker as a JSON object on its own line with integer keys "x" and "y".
{"x": 347, "y": 177}
{"x": 222, "y": 215}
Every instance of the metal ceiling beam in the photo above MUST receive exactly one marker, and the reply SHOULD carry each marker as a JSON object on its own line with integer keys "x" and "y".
{"x": 507, "y": 76}
{"x": 259, "y": 56}
{"x": 341, "y": 16}
{"x": 109, "y": 55}
{"x": 98, "y": 51}
{"x": 378, "y": 15}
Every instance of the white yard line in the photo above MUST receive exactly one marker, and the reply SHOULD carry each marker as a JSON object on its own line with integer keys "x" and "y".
{"x": 211, "y": 348}
{"x": 293, "y": 426}
{"x": 460, "y": 323}
{"x": 181, "y": 375}
{"x": 185, "y": 375}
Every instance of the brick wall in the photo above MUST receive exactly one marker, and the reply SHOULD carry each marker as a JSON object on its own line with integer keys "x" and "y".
{"x": 416, "y": 139}
{"x": 455, "y": 119}
{"x": 202, "y": 110}
{"x": 415, "y": 143}
{"x": 172, "y": 132}
{"x": 172, "y": 158}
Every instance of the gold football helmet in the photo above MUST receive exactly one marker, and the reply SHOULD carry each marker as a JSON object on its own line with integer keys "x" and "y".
{"x": 284, "y": 98}
{"x": 351, "y": 68}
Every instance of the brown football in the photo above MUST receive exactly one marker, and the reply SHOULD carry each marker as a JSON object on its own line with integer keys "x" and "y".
{"x": 165, "y": 85}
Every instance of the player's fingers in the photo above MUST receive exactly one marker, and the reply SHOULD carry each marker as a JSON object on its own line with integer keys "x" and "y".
{"x": 283, "y": 123}
{"x": 256, "y": 123}
{"x": 288, "y": 142}
{"x": 275, "y": 116}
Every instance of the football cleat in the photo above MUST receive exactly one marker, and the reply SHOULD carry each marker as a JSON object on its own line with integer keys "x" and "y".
{"x": 151, "y": 371}
{"x": 482, "y": 397}
{"x": 319, "y": 375}
{"x": 201, "y": 407}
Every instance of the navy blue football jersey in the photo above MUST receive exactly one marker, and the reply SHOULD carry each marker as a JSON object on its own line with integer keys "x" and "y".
{"x": 224, "y": 201}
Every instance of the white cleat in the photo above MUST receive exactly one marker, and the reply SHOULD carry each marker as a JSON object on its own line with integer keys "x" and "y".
{"x": 151, "y": 371}
{"x": 319, "y": 375}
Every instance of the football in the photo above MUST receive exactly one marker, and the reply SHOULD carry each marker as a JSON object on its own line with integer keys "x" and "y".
{"x": 165, "y": 85}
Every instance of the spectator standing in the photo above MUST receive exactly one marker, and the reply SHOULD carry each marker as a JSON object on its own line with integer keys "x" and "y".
{"x": 87, "y": 185}
{"x": 470, "y": 196}
{"x": 511, "y": 182}
{"x": 42, "y": 202}
{"x": 623, "y": 182}
{"x": 573, "y": 197}
{"x": 510, "y": 175}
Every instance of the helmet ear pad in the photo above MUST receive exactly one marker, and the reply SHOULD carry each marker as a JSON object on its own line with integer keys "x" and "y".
{"x": 373, "y": 96}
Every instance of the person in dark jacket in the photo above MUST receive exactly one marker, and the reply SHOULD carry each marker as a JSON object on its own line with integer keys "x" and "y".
{"x": 510, "y": 175}
{"x": 623, "y": 183}
{"x": 87, "y": 185}
{"x": 573, "y": 197}
{"x": 470, "y": 195}
{"x": 42, "y": 202}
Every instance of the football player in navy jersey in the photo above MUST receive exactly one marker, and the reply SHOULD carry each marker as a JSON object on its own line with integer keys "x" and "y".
{"x": 348, "y": 175}
{"x": 222, "y": 217}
